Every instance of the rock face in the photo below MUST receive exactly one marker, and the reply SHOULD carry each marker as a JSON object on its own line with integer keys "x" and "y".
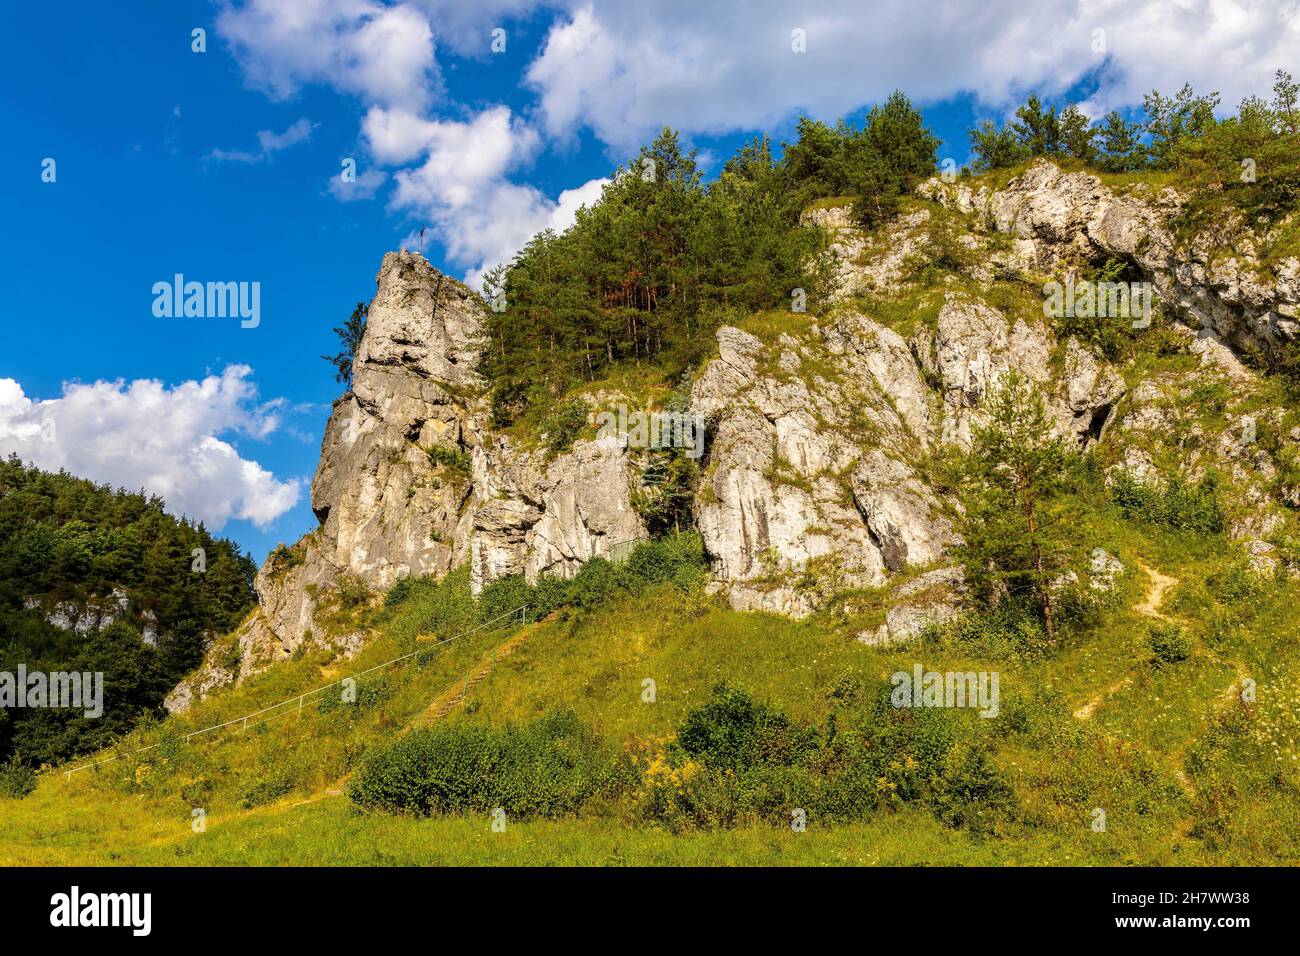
{"x": 859, "y": 266}
{"x": 812, "y": 481}
{"x": 535, "y": 518}
{"x": 412, "y": 482}
{"x": 390, "y": 493}
{"x": 819, "y": 437}
{"x": 85, "y": 617}
{"x": 1072, "y": 215}
{"x": 931, "y": 598}
{"x": 1226, "y": 301}
{"x": 973, "y": 347}
{"x": 809, "y": 485}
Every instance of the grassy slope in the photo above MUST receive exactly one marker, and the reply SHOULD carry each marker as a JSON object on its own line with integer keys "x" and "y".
{"x": 1130, "y": 757}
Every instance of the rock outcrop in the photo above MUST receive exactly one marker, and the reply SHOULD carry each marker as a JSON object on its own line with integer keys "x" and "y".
{"x": 1072, "y": 216}
{"x": 973, "y": 347}
{"x": 85, "y": 616}
{"x": 388, "y": 492}
{"x": 812, "y": 480}
{"x": 411, "y": 481}
{"x": 820, "y": 437}
{"x": 1224, "y": 302}
{"x": 807, "y": 484}
{"x": 539, "y": 517}
{"x": 931, "y": 598}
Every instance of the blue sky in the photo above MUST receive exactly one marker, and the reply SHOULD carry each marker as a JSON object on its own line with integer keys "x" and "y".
{"x": 224, "y": 166}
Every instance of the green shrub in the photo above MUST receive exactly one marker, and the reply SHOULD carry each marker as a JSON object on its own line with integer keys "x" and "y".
{"x": 732, "y": 731}
{"x": 595, "y": 584}
{"x": 231, "y": 657}
{"x": 449, "y": 457}
{"x": 399, "y": 592}
{"x": 198, "y": 793}
{"x": 284, "y": 559}
{"x": 1013, "y": 628}
{"x": 504, "y": 595}
{"x": 665, "y": 494}
{"x": 971, "y": 793}
{"x": 370, "y": 693}
{"x": 1235, "y": 584}
{"x": 1169, "y": 644}
{"x": 676, "y": 558}
{"x": 266, "y": 790}
{"x": 443, "y": 608}
{"x": 737, "y": 761}
{"x": 878, "y": 757}
{"x": 566, "y": 424}
{"x": 1174, "y": 504}
{"x": 16, "y": 780}
{"x": 548, "y": 768}
{"x": 550, "y": 594}
{"x": 1112, "y": 335}
{"x": 352, "y": 592}
{"x": 708, "y": 799}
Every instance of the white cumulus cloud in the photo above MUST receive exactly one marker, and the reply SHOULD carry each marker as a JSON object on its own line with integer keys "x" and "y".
{"x": 463, "y": 188}
{"x": 379, "y": 52}
{"x": 624, "y": 70}
{"x": 466, "y": 25}
{"x": 396, "y": 136}
{"x": 364, "y": 186}
{"x": 168, "y": 441}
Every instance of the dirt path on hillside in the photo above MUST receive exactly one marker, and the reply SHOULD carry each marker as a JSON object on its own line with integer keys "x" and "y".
{"x": 1155, "y": 596}
{"x": 1088, "y": 709}
{"x": 280, "y": 806}
{"x": 1158, "y": 586}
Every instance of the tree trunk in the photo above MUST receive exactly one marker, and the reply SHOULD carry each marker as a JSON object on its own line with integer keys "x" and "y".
{"x": 1044, "y": 589}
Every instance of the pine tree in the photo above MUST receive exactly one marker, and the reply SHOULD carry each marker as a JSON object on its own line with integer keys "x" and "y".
{"x": 1171, "y": 120}
{"x": 1078, "y": 137}
{"x": 1286, "y": 103}
{"x": 1121, "y": 145}
{"x": 1014, "y": 536}
{"x": 995, "y": 148}
{"x": 349, "y": 334}
{"x": 897, "y": 133}
{"x": 1038, "y": 129}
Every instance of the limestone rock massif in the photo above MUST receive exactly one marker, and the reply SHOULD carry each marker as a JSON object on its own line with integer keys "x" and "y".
{"x": 412, "y": 482}
{"x": 1224, "y": 302}
{"x": 819, "y": 433}
{"x": 1223, "y": 295}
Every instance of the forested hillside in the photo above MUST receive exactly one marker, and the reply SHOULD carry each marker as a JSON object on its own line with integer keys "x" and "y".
{"x": 648, "y": 274}
{"x": 136, "y": 590}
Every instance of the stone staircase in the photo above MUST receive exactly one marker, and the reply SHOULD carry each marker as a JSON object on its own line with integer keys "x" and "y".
{"x": 452, "y": 698}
